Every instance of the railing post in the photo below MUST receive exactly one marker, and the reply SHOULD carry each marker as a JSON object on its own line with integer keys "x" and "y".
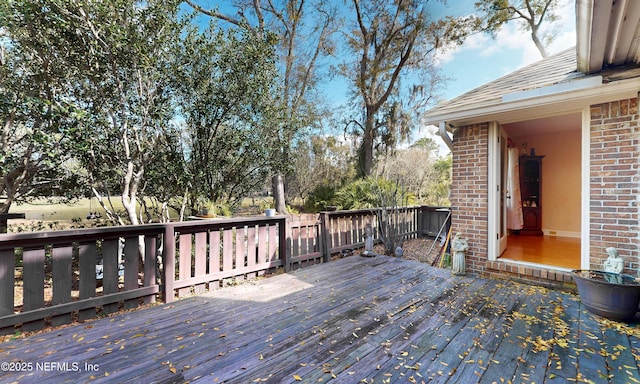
{"x": 150, "y": 262}
{"x": 169, "y": 262}
{"x": 283, "y": 248}
{"x": 325, "y": 237}
{"x": 289, "y": 243}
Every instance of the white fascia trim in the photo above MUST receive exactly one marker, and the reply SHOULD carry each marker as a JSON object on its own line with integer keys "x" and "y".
{"x": 569, "y": 86}
{"x": 550, "y": 104}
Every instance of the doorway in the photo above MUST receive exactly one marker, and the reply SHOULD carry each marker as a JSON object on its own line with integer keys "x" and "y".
{"x": 559, "y": 140}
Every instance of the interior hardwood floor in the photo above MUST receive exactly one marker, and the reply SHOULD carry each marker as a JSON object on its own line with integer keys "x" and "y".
{"x": 548, "y": 250}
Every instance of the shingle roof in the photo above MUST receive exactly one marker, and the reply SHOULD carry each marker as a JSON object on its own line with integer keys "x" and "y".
{"x": 555, "y": 69}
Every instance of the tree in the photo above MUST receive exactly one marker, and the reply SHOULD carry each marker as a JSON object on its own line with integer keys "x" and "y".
{"x": 304, "y": 30}
{"x": 439, "y": 191}
{"x": 412, "y": 167}
{"x": 226, "y": 98}
{"x": 108, "y": 60}
{"x": 320, "y": 161}
{"x": 166, "y": 179}
{"x": 35, "y": 112}
{"x": 129, "y": 77}
{"x": 529, "y": 13}
{"x": 121, "y": 49}
{"x": 420, "y": 171}
{"x": 393, "y": 73}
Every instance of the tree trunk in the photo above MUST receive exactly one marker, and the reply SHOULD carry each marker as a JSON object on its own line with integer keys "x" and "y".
{"x": 538, "y": 43}
{"x": 366, "y": 151}
{"x": 278, "y": 194}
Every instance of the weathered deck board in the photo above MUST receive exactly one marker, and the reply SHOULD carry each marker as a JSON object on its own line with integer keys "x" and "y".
{"x": 357, "y": 319}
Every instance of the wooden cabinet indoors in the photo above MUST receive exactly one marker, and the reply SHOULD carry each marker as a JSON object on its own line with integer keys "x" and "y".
{"x": 531, "y": 193}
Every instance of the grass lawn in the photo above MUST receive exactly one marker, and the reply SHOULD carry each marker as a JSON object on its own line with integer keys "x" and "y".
{"x": 47, "y": 212}
{"x": 44, "y": 210}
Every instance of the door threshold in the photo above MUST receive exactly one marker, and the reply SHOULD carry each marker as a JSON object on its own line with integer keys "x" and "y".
{"x": 549, "y": 276}
{"x": 534, "y": 265}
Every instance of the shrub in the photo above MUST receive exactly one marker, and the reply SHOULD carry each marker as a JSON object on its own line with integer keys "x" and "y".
{"x": 372, "y": 193}
{"x": 320, "y": 198}
{"x": 359, "y": 194}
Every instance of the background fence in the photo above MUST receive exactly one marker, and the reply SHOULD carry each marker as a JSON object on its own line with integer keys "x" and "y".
{"x": 52, "y": 278}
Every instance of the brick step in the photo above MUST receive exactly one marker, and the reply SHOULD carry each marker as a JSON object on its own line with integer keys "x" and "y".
{"x": 543, "y": 276}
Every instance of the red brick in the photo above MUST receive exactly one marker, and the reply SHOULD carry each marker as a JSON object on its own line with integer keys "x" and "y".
{"x": 614, "y": 176}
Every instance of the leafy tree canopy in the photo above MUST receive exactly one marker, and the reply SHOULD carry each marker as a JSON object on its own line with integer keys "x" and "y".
{"x": 530, "y": 14}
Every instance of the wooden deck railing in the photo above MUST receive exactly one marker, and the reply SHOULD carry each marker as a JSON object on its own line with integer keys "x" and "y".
{"x": 346, "y": 229}
{"x": 56, "y": 277}
{"x": 206, "y": 253}
{"x": 52, "y": 275}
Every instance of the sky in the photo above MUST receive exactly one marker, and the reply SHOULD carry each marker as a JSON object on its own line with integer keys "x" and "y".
{"x": 482, "y": 59}
{"x": 479, "y": 60}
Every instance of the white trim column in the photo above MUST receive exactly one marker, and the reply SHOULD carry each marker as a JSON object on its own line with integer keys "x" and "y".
{"x": 493, "y": 203}
{"x": 585, "y": 211}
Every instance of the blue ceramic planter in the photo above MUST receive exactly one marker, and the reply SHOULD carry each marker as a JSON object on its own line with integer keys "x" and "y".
{"x": 611, "y": 295}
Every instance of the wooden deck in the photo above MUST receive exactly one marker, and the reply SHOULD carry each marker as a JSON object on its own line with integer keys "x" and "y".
{"x": 369, "y": 320}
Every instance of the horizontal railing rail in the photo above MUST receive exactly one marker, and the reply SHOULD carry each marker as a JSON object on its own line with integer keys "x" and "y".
{"x": 52, "y": 278}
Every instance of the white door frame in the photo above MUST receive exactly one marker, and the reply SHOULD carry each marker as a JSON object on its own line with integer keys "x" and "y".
{"x": 497, "y": 242}
{"x": 586, "y": 189}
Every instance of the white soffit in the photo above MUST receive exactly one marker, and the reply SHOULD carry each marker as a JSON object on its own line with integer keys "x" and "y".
{"x": 608, "y": 33}
{"x": 574, "y": 85}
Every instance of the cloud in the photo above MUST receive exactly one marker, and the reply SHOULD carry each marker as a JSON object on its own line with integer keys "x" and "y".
{"x": 512, "y": 38}
{"x": 472, "y": 43}
{"x": 508, "y": 38}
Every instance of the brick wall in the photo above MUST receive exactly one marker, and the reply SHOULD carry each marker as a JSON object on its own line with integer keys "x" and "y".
{"x": 615, "y": 182}
{"x": 469, "y": 192}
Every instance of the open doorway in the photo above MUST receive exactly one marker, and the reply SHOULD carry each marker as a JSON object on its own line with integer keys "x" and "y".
{"x": 554, "y": 239}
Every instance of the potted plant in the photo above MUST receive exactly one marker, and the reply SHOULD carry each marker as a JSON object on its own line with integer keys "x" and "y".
{"x": 608, "y": 294}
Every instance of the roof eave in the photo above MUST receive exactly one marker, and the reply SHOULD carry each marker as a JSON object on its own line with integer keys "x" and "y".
{"x": 538, "y": 107}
